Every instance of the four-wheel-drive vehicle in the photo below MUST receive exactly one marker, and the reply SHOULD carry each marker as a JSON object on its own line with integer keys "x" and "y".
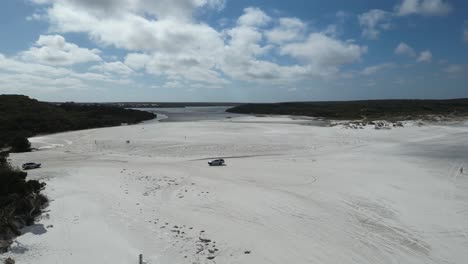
{"x": 31, "y": 165}
{"x": 216, "y": 162}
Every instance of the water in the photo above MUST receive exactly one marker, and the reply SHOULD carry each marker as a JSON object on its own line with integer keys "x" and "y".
{"x": 191, "y": 114}
{"x": 187, "y": 114}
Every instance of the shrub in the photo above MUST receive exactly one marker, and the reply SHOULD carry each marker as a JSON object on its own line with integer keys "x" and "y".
{"x": 20, "y": 144}
{"x": 20, "y": 202}
{"x": 9, "y": 261}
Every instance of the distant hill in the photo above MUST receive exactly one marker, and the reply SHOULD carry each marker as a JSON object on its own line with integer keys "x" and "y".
{"x": 370, "y": 110}
{"x": 26, "y": 117}
{"x": 168, "y": 104}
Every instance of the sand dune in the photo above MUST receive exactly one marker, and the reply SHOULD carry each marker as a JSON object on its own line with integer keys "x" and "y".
{"x": 290, "y": 193}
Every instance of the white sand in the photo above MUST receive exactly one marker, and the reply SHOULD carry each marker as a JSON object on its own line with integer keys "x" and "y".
{"x": 290, "y": 193}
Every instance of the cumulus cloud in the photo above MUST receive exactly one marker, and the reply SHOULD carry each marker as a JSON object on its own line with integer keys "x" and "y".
{"x": 161, "y": 9}
{"x": 322, "y": 50}
{"x": 425, "y": 56}
{"x": 289, "y": 29}
{"x": 405, "y": 49}
{"x": 116, "y": 67}
{"x": 253, "y": 17}
{"x": 31, "y": 76}
{"x": 162, "y": 38}
{"x": 424, "y": 7}
{"x": 15, "y": 66}
{"x": 373, "y": 22}
{"x": 55, "y": 50}
{"x": 137, "y": 61}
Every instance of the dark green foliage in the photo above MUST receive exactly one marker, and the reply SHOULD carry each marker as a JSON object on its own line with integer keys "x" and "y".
{"x": 25, "y": 117}
{"x": 371, "y": 110}
{"x": 20, "y": 144}
{"x": 20, "y": 201}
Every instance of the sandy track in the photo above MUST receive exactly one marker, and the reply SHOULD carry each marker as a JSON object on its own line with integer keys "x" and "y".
{"x": 290, "y": 193}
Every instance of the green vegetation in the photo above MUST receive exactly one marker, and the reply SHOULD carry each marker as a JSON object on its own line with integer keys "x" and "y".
{"x": 391, "y": 110}
{"x": 20, "y": 144}
{"x": 22, "y": 117}
{"x": 20, "y": 202}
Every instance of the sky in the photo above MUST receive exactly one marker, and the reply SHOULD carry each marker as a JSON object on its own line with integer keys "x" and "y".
{"x": 233, "y": 50}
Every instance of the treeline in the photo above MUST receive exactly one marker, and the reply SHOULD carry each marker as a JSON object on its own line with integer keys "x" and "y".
{"x": 22, "y": 117}
{"x": 370, "y": 110}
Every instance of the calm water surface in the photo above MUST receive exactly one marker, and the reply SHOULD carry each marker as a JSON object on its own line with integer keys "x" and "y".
{"x": 186, "y": 114}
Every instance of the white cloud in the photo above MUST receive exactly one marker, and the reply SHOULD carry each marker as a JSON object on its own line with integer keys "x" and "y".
{"x": 424, "y": 7}
{"x": 373, "y": 22}
{"x": 27, "y": 82}
{"x": 137, "y": 61}
{"x": 54, "y": 50}
{"x": 376, "y": 68}
{"x": 163, "y": 39}
{"x": 289, "y": 29}
{"x": 42, "y": 2}
{"x": 33, "y": 76}
{"x": 405, "y": 49}
{"x": 116, "y": 67}
{"x": 136, "y": 33}
{"x": 161, "y": 9}
{"x": 253, "y": 17}
{"x": 324, "y": 51}
{"x": 425, "y": 56}
{"x": 15, "y": 66}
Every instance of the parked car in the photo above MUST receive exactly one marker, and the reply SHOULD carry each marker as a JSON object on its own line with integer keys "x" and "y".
{"x": 31, "y": 165}
{"x": 216, "y": 162}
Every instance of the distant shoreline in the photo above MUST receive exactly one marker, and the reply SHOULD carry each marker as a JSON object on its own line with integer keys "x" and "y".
{"x": 370, "y": 110}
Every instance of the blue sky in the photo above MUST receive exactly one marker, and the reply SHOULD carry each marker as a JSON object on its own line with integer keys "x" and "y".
{"x": 226, "y": 50}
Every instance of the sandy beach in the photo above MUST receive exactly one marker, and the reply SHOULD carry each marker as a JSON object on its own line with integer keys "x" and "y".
{"x": 290, "y": 193}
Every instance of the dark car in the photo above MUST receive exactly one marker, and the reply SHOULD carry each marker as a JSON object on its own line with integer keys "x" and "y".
{"x": 31, "y": 165}
{"x": 216, "y": 162}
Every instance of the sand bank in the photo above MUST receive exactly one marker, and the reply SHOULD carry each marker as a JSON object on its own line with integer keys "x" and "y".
{"x": 290, "y": 193}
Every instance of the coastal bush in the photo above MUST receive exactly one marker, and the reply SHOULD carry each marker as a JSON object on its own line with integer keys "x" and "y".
{"x": 391, "y": 110}
{"x": 9, "y": 261}
{"x": 26, "y": 117}
{"x": 20, "y": 202}
{"x": 20, "y": 144}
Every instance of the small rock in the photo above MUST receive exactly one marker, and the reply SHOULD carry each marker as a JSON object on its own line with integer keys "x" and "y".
{"x": 247, "y": 252}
